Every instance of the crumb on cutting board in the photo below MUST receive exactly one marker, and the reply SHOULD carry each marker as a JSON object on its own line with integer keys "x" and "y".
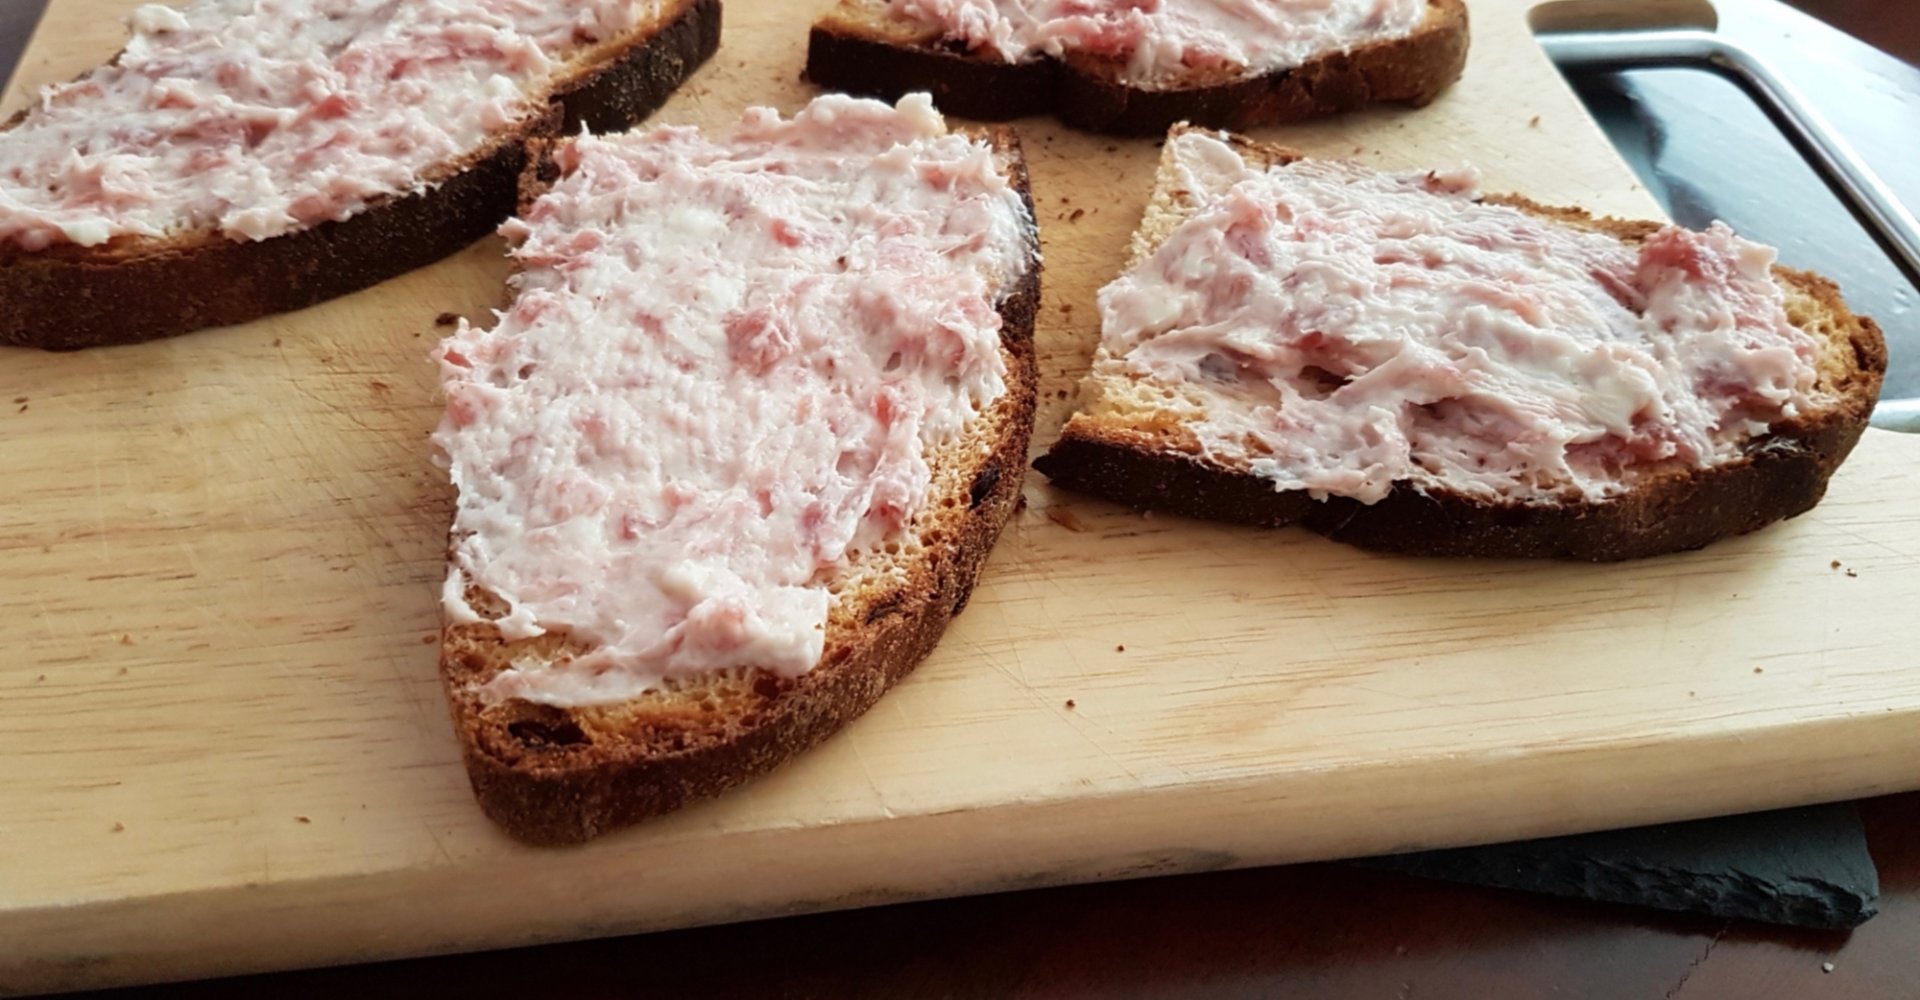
{"x": 117, "y": 827}
{"x": 446, "y": 319}
{"x": 1064, "y": 518}
{"x": 1069, "y": 703}
{"x": 1119, "y": 649}
{"x": 1534, "y": 122}
{"x": 302, "y": 819}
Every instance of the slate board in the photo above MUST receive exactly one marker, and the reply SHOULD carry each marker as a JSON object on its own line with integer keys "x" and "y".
{"x": 1806, "y": 867}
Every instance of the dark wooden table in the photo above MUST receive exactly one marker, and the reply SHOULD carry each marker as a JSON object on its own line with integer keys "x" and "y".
{"x": 1891, "y": 25}
{"x": 1305, "y": 931}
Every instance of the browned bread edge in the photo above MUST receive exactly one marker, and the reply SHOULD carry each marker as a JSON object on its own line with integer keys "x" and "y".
{"x": 531, "y": 773}
{"x": 70, "y": 297}
{"x": 1411, "y": 70}
{"x": 960, "y": 84}
{"x": 1781, "y": 475}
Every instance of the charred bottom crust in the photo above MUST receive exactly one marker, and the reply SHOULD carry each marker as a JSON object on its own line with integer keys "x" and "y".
{"x": 630, "y": 89}
{"x": 970, "y": 88}
{"x": 1148, "y": 480}
{"x": 70, "y": 298}
{"x": 66, "y": 300}
{"x": 537, "y": 774}
{"x": 1781, "y": 475}
{"x": 1413, "y": 70}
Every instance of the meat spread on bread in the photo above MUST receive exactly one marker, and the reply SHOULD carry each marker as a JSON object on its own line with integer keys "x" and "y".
{"x": 1370, "y": 351}
{"x": 741, "y": 441}
{"x": 227, "y": 125}
{"x": 1130, "y": 67}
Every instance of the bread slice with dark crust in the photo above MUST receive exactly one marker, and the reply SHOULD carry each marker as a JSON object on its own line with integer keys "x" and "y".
{"x": 129, "y": 290}
{"x": 1148, "y": 460}
{"x": 559, "y": 776}
{"x": 861, "y": 48}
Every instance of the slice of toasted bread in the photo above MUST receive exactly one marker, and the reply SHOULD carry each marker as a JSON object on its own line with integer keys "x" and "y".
{"x": 132, "y": 289}
{"x": 1130, "y": 438}
{"x": 559, "y": 775}
{"x": 862, "y": 47}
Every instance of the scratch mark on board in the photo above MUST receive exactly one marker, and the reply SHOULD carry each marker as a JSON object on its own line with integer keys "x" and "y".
{"x": 879, "y": 797}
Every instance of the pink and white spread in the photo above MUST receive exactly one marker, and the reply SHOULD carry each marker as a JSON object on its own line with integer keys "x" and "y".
{"x": 1338, "y": 330}
{"x": 1162, "y": 41}
{"x": 254, "y": 118}
{"x": 726, "y": 361}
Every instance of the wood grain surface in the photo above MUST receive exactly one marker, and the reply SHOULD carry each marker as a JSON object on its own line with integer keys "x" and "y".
{"x": 224, "y": 746}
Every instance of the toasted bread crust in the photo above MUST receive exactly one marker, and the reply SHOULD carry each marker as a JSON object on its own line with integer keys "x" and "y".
{"x": 536, "y": 772}
{"x": 1780, "y": 474}
{"x": 960, "y": 84}
{"x": 70, "y": 297}
{"x": 632, "y": 87}
{"x": 1411, "y": 70}
{"x": 1130, "y": 473}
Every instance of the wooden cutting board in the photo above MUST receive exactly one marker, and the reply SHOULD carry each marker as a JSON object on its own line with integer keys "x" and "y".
{"x": 223, "y": 745}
